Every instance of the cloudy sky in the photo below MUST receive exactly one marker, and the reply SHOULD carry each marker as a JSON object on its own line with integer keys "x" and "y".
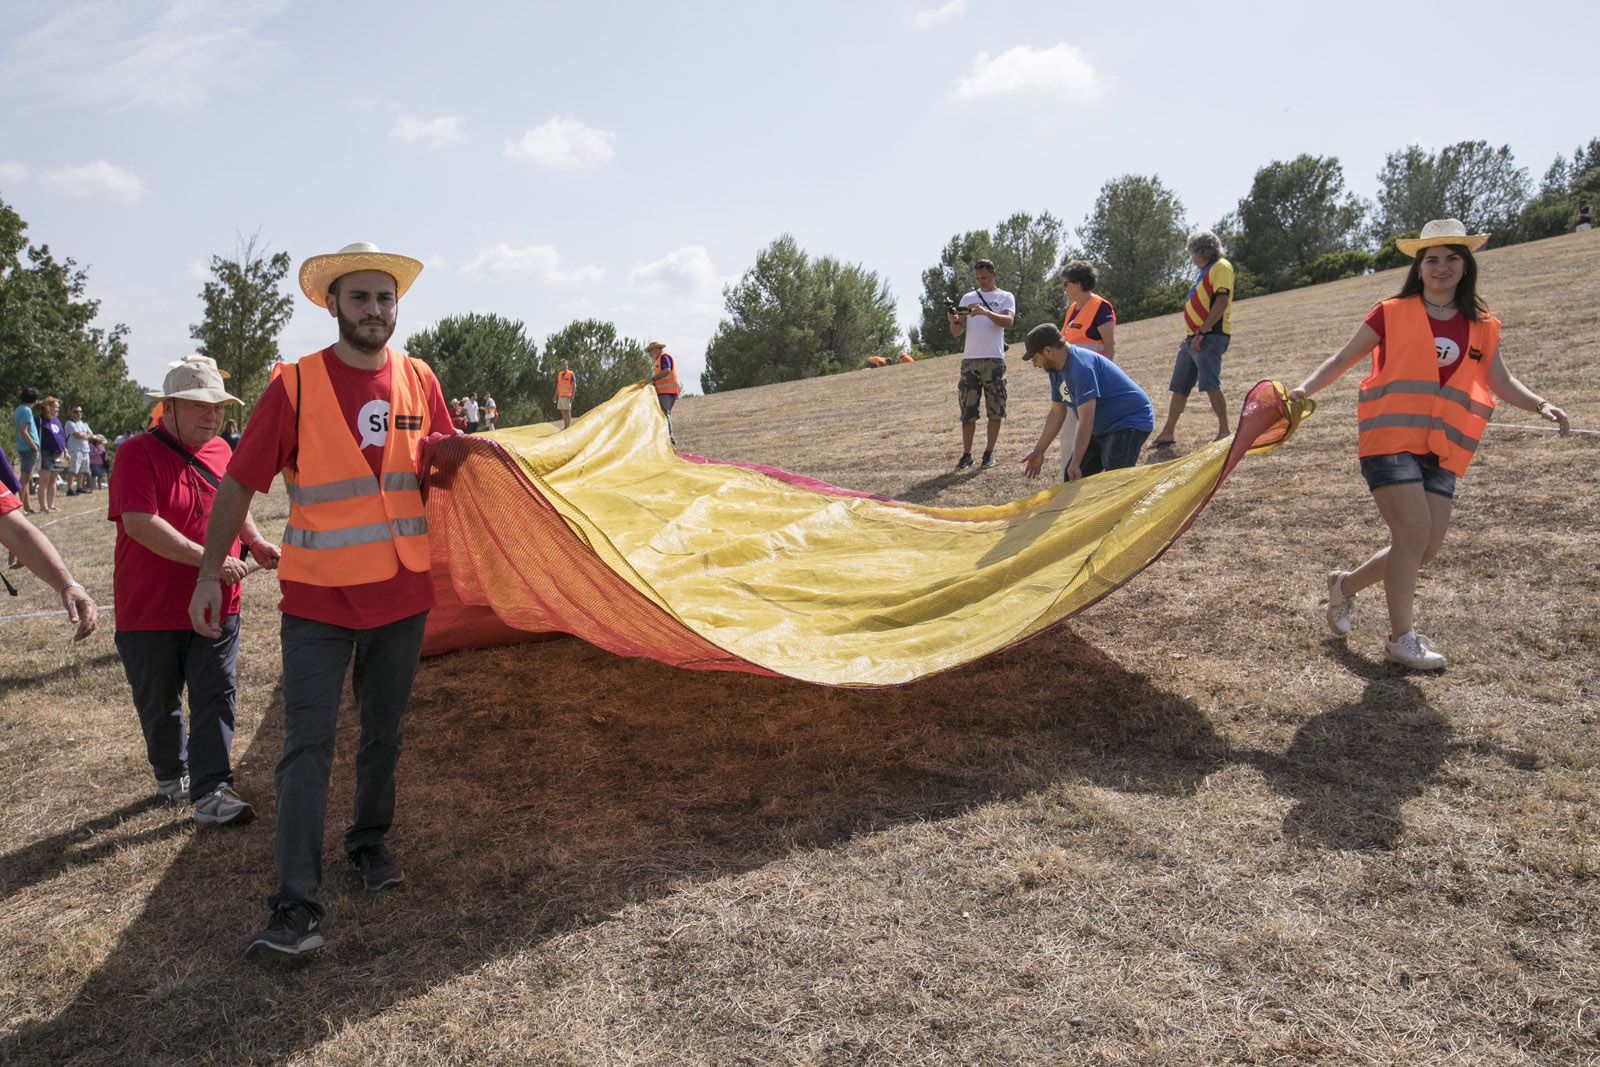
{"x": 626, "y": 160}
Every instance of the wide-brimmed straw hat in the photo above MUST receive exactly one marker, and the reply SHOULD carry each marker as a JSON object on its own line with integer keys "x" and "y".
{"x": 319, "y": 272}
{"x": 1441, "y": 232}
{"x": 653, "y": 345}
{"x": 194, "y": 378}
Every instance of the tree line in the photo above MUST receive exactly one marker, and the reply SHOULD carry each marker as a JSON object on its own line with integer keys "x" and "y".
{"x": 793, "y": 315}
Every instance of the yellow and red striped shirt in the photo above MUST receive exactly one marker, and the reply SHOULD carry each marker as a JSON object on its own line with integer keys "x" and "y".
{"x": 1214, "y": 278}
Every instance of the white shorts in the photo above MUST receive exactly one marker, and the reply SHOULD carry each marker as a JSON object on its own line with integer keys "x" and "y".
{"x": 77, "y": 463}
{"x": 563, "y": 403}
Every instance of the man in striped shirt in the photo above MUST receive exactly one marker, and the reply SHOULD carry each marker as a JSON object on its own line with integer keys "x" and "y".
{"x": 1208, "y": 319}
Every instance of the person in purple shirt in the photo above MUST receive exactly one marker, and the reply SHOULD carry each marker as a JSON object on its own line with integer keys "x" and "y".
{"x": 52, "y": 446}
{"x": 1114, "y": 414}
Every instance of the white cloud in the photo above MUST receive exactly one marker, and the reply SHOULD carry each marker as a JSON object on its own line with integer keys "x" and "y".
{"x": 686, "y": 273}
{"x": 96, "y": 181}
{"x": 933, "y": 16}
{"x": 539, "y": 264}
{"x": 433, "y": 133}
{"x": 1062, "y": 71}
{"x": 13, "y": 173}
{"x": 169, "y": 54}
{"x": 564, "y": 144}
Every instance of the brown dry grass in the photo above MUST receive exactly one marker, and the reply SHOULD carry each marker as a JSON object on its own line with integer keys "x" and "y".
{"x": 1191, "y": 829}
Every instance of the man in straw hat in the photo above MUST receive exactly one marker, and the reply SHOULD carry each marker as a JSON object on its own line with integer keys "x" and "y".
{"x": 664, "y": 376}
{"x": 344, "y": 426}
{"x": 165, "y": 487}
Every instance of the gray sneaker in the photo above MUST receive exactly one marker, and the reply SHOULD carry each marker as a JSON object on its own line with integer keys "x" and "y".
{"x": 1409, "y": 650}
{"x": 1340, "y": 606}
{"x": 293, "y": 931}
{"x": 174, "y": 789}
{"x": 223, "y": 807}
{"x": 988, "y": 461}
{"x": 965, "y": 462}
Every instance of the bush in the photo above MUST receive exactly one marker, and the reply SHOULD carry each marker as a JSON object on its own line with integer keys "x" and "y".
{"x": 1332, "y": 266}
{"x": 1389, "y": 256}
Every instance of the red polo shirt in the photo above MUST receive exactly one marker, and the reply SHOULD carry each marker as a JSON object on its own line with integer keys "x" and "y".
{"x": 271, "y": 442}
{"x": 152, "y": 592}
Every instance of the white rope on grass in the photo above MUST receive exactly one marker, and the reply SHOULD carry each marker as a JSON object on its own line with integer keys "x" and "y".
{"x": 107, "y": 610}
{"x": 1542, "y": 429}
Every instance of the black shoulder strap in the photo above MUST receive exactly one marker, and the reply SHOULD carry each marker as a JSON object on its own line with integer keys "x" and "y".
{"x": 206, "y": 474}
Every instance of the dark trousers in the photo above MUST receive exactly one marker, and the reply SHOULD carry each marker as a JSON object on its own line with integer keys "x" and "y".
{"x": 1113, "y": 451}
{"x": 315, "y": 658}
{"x": 159, "y": 664}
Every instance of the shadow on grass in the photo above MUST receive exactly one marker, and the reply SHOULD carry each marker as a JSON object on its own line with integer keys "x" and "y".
{"x": 926, "y": 490}
{"x": 1350, "y": 769}
{"x": 72, "y": 667}
{"x": 88, "y": 842}
{"x": 547, "y": 787}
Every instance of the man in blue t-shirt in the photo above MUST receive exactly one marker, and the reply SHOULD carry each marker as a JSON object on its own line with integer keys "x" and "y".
{"x": 27, "y": 428}
{"x": 1114, "y": 414}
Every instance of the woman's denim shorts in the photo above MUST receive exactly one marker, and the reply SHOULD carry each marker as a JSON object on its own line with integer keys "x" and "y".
{"x": 1406, "y": 468}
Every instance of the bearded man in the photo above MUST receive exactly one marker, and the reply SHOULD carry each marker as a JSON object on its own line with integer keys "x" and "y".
{"x": 343, "y": 425}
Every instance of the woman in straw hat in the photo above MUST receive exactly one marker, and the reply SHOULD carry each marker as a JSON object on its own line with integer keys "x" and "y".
{"x": 1436, "y": 371}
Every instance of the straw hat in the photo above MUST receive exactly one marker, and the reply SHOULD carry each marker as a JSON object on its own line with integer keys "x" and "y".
{"x": 1441, "y": 232}
{"x": 194, "y": 378}
{"x": 319, "y": 272}
{"x": 653, "y": 345}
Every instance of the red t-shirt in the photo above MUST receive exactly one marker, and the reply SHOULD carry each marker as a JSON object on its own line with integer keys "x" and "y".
{"x": 152, "y": 592}
{"x": 1449, "y": 340}
{"x": 271, "y": 442}
{"x": 8, "y": 500}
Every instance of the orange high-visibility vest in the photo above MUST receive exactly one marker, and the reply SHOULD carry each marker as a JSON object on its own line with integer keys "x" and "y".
{"x": 1075, "y": 327}
{"x": 907, "y": 357}
{"x": 345, "y": 526}
{"x": 156, "y": 413}
{"x": 668, "y": 384}
{"x": 1403, "y": 408}
{"x": 565, "y": 382}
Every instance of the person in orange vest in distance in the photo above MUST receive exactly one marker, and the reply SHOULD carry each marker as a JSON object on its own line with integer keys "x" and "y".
{"x": 1090, "y": 322}
{"x": 566, "y": 389}
{"x": 343, "y": 425}
{"x": 1436, "y": 371}
{"x": 664, "y": 376}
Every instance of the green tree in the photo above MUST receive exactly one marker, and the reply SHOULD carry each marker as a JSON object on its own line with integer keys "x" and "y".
{"x": 246, "y": 308}
{"x": 603, "y": 362}
{"x": 47, "y": 340}
{"x": 791, "y": 317}
{"x": 478, "y": 353}
{"x": 1027, "y": 254}
{"x": 1135, "y": 236}
{"x": 1469, "y": 180}
{"x": 1554, "y": 209}
{"x": 1295, "y": 213}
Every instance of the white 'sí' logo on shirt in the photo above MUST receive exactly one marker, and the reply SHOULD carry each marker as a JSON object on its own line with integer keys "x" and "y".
{"x": 1447, "y": 350}
{"x": 372, "y": 423}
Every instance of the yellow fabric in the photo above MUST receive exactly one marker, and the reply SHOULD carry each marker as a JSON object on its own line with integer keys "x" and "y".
{"x": 844, "y": 590}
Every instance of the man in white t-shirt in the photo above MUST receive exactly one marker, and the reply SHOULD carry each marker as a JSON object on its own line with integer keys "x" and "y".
{"x": 469, "y": 408}
{"x": 983, "y": 315}
{"x": 78, "y": 437}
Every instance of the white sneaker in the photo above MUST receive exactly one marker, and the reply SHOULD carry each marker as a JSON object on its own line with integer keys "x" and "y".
{"x": 1411, "y": 650}
{"x": 1340, "y": 606}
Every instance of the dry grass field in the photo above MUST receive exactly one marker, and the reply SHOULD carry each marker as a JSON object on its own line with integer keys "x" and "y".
{"x": 1188, "y": 828}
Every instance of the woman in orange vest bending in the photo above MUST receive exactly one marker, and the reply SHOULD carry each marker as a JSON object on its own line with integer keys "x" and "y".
{"x": 1436, "y": 371}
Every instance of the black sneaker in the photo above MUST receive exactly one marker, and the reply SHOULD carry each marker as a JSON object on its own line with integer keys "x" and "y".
{"x": 965, "y": 462}
{"x": 293, "y": 931}
{"x": 988, "y": 461}
{"x": 376, "y": 868}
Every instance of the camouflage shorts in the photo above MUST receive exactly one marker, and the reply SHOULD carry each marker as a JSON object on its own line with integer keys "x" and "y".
{"x": 985, "y": 378}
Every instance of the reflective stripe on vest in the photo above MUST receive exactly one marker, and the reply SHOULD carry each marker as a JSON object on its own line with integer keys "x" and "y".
{"x": 346, "y": 526}
{"x": 564, "y": 382}
{"x": 350, "y": 536}
{"x": 1075, "y": 327}
{"x": 1403, "y": 408}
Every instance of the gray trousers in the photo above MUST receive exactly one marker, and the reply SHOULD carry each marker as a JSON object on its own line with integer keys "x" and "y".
{"x": 315, "y": 658}
{"x": 159, "y": 665}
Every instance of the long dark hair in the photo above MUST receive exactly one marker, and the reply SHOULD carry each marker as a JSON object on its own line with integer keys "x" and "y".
{"x": 1468, "y": 302}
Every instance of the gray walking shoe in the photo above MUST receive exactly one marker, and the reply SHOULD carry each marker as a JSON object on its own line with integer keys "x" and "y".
{"x": 174, "y": 789}
{"x": 223, "y": 807}
{"x": 293, "y": 931}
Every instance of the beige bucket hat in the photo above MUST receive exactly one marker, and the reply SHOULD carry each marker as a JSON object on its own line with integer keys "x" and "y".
{"x": 194, "y": 378}
{"x": 1441, "y": 232}
{"x": 319, "y": 272}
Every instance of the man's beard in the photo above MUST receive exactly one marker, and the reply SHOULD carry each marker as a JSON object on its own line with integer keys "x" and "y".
{"x": 348, "y": 332}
